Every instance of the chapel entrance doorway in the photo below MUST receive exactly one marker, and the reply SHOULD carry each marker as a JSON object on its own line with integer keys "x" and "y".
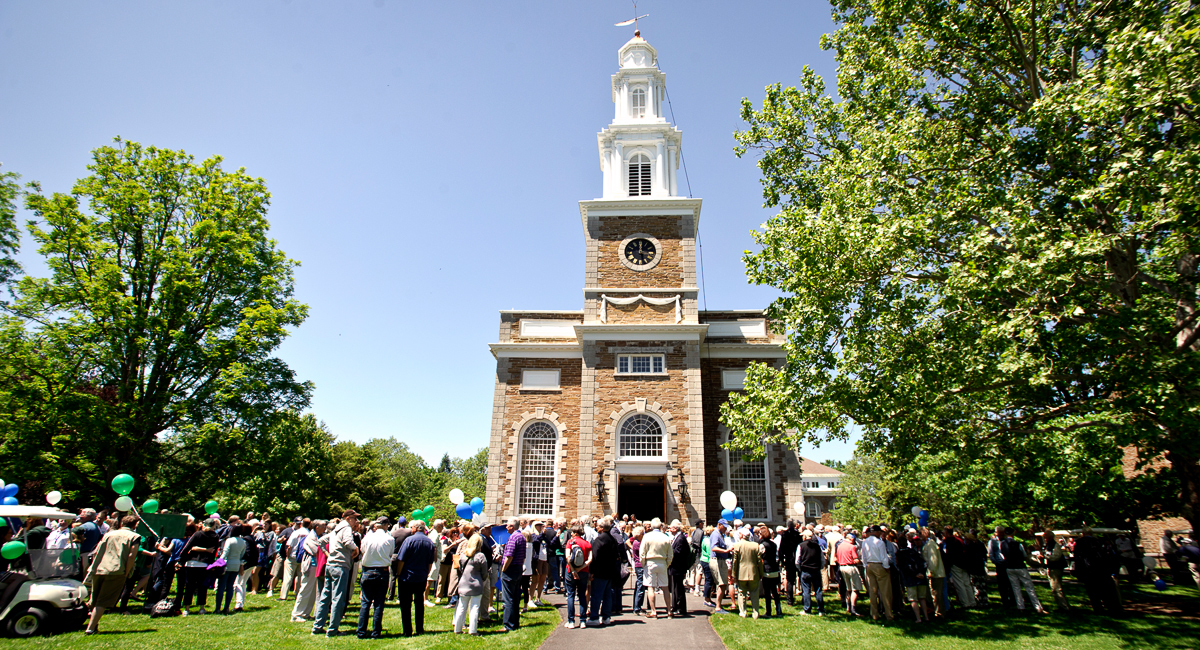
{"x": 644, "y": 497}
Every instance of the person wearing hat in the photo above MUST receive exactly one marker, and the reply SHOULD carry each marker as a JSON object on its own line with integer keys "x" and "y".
{"x": 719, "y": 562}
{"x": 340, "y": 553}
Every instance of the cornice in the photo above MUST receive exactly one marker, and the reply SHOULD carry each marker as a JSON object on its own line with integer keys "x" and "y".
{"x": 642, "y": 332}
{"x": 742, "y": 351}
{"x": 537, "y": 350}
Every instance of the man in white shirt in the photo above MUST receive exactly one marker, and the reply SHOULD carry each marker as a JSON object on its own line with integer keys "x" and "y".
{"x": 291, "y": 568}
{"x": 377, "y": 548}
{"x": 879, "y": 579}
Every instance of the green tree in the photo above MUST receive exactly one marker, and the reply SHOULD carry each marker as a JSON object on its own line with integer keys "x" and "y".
{"x": 871, "y": 493}
{"x": 990, "y": 238}
{"x": 10, "y": 235}
{"x": 150, "y": 343}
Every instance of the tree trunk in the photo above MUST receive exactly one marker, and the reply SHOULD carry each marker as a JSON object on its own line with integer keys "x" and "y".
{"x": 1187, "y": 469}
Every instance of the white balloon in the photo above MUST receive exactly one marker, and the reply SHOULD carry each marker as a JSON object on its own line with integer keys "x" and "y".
{"x": 916, "y": 511}
{"x": 728, "y": 500}
{"x": 799, "y": 506}
{"x": 53, "y": 497}
{"x": 456, "y": 496}
{"x": 124, "y": 504}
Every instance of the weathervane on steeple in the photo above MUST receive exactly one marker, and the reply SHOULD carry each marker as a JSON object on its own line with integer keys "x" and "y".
{"x": 633, "y": 21}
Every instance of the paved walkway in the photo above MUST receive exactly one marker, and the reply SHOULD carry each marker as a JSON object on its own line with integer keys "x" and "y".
{"x": 693, "y": 632}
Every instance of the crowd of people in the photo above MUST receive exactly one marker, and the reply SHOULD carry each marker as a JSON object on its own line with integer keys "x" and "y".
{"x": 482, "y": 571}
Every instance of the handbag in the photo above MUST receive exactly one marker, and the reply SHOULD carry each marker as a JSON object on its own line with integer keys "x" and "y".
{"x": 219, "y": 563}
{"x": 625, "y": 571}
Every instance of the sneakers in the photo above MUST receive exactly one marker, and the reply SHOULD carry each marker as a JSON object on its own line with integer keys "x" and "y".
{"x": 318, "y": 631}
{"x": 755, "y": 614}
{"x": 594, "y": 622}
{"x": 298, "y": 619}
{"x": 270, "y": 594}
{"x": 582, "y": 623}
{"x": 608, "y": 621}
{"x": 570, "y": 625}
{"x": 430, "y": 603}
{"x": 720, "y": 611}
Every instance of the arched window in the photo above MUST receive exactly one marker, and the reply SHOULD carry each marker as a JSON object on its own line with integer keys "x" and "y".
{"x": 539, "y": 445}
{"x": 641, "y": 436}
{"x": 748, "y": 480}
{"x": 637, "y": 106}
{"x": 814, "y": 509}
{"x": 639, "y": 175}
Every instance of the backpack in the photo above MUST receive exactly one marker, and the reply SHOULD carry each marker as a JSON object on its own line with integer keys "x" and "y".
{"x": 576, "y": 555}
{"x": 164, "y": 607}
{"x": 299, "y": 553}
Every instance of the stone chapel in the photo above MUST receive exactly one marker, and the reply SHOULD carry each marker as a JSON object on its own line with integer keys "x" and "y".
{"x": 613, "y": 409}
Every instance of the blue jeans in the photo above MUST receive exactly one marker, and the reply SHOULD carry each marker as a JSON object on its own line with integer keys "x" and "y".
{"x": 709, "y": 589}
{"x": 601, "y": 604}
{"x": 332, "y": 605}
{"x": 225, "y": 587}
{"x": 374, "y": 588}
{"x": 577, "y": 590}
{"x": 810, "y": 581}
{"x": 511, "y": 586}
{"x": 637, "y": 590}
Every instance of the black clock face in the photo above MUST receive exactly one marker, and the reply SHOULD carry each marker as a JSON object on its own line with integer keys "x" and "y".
{"x": 640, "y": 252}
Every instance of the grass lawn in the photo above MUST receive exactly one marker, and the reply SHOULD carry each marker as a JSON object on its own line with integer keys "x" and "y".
{"x": 1167, "y": 619}
{"x": 267, "y": 623}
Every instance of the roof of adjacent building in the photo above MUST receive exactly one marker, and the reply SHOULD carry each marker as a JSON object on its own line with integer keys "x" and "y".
{"x": 811, "y": 467}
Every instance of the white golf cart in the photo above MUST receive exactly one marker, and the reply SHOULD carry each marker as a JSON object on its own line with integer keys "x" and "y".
{"x": 42, "y": 593}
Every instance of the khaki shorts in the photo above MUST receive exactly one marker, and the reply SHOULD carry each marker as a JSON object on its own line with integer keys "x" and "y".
{"x": 919, "y": 591}
{"x": 851, "y": 578}
{"x": 720, "y": 571}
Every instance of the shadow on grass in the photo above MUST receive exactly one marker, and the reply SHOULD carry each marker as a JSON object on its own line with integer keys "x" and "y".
{"x": 1134, "y": 630}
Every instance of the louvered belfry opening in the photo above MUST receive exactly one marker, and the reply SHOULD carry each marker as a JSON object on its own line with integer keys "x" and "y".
{"x": 639, "y": 176}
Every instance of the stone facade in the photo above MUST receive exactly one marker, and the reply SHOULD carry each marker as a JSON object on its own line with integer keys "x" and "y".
{"x": 641, "y": 371}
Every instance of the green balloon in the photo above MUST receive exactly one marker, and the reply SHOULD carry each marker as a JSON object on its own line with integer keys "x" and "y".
{"x": 210, "y": 507}
{"x": 416, "y": 514}
{"x": 12, "y": 550}
{"x": 150, "y": 506}
{"x": 428, "y": 511}
{"x": 123, "y": 484}
{"x": 68, "y": 556}
{"x": 3, "y": 522}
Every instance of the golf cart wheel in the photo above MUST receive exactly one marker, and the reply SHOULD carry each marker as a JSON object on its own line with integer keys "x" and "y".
{"x": 26, "y": 622}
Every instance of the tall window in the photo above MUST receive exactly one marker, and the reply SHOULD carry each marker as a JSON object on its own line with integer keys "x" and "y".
{"x": 641, "y": 436}
{"x": 639, "y": 175}
{"x": 638, "y": 107}
{"x": 748, "y": 480}
{"x": 539, "y": 443}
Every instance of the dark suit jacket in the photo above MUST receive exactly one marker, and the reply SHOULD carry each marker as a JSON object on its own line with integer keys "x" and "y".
{"x": 680, "y": 548}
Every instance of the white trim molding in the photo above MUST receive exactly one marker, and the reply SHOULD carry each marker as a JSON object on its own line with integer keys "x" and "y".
{"x": 536, "y": 350}
{"x": 742, "y": 351}
{"x": 641, "y": 332}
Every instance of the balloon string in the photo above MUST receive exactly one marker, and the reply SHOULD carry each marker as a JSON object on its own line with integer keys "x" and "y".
{"x": 139, "y": 516}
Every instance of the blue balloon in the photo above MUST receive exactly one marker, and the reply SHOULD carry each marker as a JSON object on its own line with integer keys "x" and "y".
{"x": 9, "y": 490}
{"x": 464, "y": 511}
{"x": 1160, "y": 584}
{"x": 10, "y": 501}
{"x": 738, "y": 513}
{"x": 477, "y": 505}
{"x": 727, "y": 515}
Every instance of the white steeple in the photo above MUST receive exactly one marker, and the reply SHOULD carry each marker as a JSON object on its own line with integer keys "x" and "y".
{"x": 639, "y": 151}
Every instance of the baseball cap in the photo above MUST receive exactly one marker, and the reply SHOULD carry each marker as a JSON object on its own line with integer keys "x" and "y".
{"x": 350, "y": 512}
{"x": 722, "y": 522}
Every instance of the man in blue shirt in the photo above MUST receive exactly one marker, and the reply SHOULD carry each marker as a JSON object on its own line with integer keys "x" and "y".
{"x": 510, "y": 575}
{"x": 719, "y": 562}
{"x": 412, "y": 568}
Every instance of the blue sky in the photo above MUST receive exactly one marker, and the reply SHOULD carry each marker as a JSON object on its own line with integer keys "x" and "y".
{"x": 425, "y": 159}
